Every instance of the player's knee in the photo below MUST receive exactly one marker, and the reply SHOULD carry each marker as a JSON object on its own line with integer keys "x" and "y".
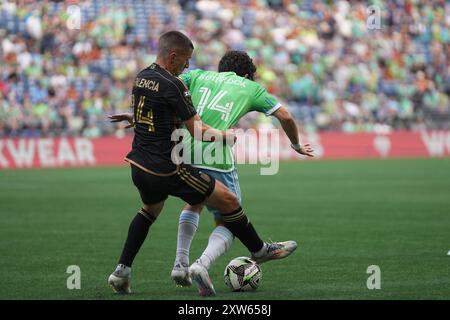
{"x": 152, "y": 210}
{"x": 220, "y": 223}
{"x": 231, "y": 201}
{"x": 193, "y": 208}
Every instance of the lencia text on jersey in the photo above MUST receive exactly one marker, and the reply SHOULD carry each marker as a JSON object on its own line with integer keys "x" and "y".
{"x": 146, "y": 84}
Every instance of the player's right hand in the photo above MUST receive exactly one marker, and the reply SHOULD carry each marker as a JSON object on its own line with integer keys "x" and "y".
{"x": 119, "y": 117}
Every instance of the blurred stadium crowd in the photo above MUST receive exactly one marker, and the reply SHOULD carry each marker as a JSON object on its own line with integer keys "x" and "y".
{"x": 318, "y": 57}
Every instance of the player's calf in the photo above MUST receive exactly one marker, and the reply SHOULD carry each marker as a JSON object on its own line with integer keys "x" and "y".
{"x": 234, "y": 217}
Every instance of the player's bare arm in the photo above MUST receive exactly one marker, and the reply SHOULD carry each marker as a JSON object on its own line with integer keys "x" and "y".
{"x": 290, "y": 127}
{"x": 195, "y": 124}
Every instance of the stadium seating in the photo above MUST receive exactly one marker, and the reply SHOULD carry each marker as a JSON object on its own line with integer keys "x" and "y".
{"x": 318, "y": 57}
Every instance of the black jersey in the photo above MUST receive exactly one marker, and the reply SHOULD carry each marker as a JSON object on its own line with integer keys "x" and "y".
{"x": 161, "y": 102}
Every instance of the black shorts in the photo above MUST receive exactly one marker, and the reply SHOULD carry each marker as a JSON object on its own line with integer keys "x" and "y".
{"x": 187, "y": 183}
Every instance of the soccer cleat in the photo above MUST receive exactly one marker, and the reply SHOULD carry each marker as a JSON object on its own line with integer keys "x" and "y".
{"x": 276, "y": 250}
{"x": 120, "y": 279}
{"x": 180, "y": 274}
{"x": 201, "y": 277}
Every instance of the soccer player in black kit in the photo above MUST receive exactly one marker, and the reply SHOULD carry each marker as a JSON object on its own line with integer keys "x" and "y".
{"x": 161, "y": 104}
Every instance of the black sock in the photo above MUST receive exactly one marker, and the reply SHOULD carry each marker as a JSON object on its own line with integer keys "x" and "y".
{"x": 137, "y": 232}
{"x": 238, "y": 223}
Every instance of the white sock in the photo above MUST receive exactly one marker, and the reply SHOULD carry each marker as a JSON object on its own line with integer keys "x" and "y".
{"x": 187, "y": 226}
{"x": 219, "y": 242}
{"x": 261, "y": 252}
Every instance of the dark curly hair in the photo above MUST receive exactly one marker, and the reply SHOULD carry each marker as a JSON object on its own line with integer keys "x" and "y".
{"x": 238, "y": 62}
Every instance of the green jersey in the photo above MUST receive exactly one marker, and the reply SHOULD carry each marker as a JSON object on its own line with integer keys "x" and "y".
{"x": 221, "y": 100}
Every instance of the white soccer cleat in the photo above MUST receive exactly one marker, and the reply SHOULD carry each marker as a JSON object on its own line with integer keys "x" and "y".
{"x": 180, "y": 274}
{"x": 276, "y": 250}
{"x": 201, "y": 277}
{"x": 120, "y": 279}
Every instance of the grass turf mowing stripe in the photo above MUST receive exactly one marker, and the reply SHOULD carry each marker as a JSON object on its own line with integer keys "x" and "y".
{"x": 345, "y": 215}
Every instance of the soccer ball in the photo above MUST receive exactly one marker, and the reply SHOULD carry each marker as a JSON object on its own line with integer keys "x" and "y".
{"x": 242, "y": 274}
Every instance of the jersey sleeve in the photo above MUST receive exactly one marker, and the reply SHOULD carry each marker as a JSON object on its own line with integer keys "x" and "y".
{"x": 180, "y": 100}
{"x": 264, "y": 102}
{"x": 189, "y": 77}
{"x": 186, "y": 78}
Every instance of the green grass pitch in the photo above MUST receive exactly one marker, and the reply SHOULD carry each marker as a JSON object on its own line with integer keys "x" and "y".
{"x": 345, "y": 215}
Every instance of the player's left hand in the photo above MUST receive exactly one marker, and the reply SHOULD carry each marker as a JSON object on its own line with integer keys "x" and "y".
{"x": 118, "y": 117}
{"x": 305, "y": 150}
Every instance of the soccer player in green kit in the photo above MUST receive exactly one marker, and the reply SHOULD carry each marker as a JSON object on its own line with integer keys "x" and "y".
{"x": 221, "y": 100}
